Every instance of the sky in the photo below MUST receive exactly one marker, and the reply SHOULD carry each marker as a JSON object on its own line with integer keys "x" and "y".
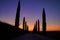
{"x": 32, "y": 11}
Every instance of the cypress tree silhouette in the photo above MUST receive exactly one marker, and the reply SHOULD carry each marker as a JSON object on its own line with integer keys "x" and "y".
{"x": 44, "y": 21}
{"x": 35, "y": 27}
{"x": 38, "y": 25}
{"x": 27, "y": 27}
{"x": 17, "y": 15}
{"x": 24, "y": 23}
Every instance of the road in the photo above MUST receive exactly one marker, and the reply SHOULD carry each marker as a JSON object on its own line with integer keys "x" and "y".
{"x": 32, "y": 36}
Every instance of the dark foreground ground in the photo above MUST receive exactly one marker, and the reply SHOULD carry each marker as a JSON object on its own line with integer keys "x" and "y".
{"x": 32, "y": 36}
{"x": 9, "y": 32}
{"x": 54, "y": 35}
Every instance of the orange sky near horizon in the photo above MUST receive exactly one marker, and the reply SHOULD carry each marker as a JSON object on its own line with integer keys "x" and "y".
{"x": 49, "y": 27}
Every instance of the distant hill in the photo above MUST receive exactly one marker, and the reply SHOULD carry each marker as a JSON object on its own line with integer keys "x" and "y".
{"x": 4, "y": 27}
{"x": 8, "y": 31}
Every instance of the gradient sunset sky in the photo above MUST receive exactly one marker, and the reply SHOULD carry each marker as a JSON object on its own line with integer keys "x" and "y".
{"x": 32, "y": 11}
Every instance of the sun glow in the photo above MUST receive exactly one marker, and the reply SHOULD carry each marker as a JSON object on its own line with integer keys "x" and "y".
{"x": 48, "y": 28}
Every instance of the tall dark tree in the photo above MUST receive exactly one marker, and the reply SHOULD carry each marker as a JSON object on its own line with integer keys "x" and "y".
{"x": 27, "y": 27}
{"x": 35, "y": 27}
{"x": 17, "y": 15}
{"x": 44, "y": 21}
{"x": 24, "y": 23}
{"x": 38, "y": 25}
